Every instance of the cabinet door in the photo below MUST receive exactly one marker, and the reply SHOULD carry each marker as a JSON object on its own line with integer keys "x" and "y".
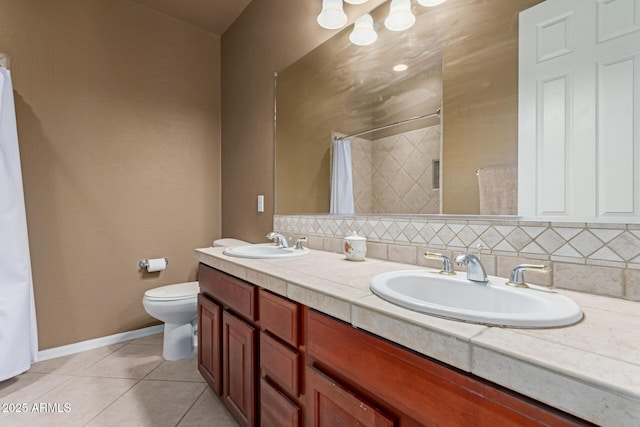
{"x": 209, "y": 330}
{"x": 238, "y": 364}
{"x": 329, "y": 404}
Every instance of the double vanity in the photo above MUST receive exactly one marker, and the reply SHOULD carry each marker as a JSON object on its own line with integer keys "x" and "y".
{"x": 304, "y": 339}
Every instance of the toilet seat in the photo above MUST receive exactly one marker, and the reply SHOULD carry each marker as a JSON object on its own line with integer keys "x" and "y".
{"x": 177, "y": 292}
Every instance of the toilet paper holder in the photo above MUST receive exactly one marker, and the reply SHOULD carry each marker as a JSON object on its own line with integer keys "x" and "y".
{"x": 144, "y": 263}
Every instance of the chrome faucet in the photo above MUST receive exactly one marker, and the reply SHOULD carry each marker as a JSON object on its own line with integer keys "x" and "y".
{"x": 517, "y": 274}
{"x": 278, "y": 239}
{"x": 475, "y": 270}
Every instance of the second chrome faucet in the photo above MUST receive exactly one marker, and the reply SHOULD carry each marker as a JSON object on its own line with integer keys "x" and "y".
{"x": 475, "y": 270}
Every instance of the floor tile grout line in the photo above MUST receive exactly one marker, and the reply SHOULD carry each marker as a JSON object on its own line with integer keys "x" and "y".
{"x": 112, "y": 402}
{"x": 102, "y": 358}
{"x": 156, "y": 367}
{"x": 191, "y": 407}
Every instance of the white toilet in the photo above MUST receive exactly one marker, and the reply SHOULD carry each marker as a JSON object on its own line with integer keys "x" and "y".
{"x": 177, "y": 306}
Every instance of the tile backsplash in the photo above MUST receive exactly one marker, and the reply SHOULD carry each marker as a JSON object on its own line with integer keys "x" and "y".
{"x": 596, "y": 258}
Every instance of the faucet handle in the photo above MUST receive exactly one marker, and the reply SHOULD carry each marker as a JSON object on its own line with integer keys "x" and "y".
{"x": 517, "y": 274}
{"x": 446, "y": 263}
{"x": 300, "y": 241}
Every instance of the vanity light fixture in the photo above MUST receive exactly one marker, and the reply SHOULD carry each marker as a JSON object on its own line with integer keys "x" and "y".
{"x": 431, "y": 3}
{"x": 363, "y": 33}
{"x": 332, "y": 15}
{"x": 400, "y": 16}
{"x": 357, "y": 1}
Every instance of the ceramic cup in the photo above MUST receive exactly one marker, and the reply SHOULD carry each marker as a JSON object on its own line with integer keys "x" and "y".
{"x": 355, "y": 247}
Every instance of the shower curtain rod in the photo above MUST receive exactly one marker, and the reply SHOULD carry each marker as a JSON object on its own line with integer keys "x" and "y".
{"x": 424, "y": 116}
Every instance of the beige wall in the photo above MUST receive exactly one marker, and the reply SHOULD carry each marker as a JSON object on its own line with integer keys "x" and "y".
{"x": 267, "y": 37}
{"x": 118, "y": 119}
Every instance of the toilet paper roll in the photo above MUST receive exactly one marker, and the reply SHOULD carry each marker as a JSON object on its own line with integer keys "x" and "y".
{"x": 156, "y": 264}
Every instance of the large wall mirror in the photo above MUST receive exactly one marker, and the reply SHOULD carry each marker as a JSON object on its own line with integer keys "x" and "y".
{"x": 460, "y": 57}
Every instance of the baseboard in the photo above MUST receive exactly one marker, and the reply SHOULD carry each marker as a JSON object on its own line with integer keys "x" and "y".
{"x": 66, "y": 350}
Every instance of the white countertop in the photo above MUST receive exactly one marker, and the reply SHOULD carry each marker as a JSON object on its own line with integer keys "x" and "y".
{"x": 591, "y": 369}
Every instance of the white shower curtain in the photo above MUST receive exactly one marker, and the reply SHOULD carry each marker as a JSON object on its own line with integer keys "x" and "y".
{"x": 18, "y": 333}
{"x": 341, "y": 179}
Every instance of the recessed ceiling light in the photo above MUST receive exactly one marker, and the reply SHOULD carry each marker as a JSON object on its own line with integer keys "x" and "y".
{"x": 400, "y": 67}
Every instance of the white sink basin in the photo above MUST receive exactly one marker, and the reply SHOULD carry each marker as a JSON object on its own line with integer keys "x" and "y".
{"x": 264, "y": 251}
{"x": 493, "y": 303}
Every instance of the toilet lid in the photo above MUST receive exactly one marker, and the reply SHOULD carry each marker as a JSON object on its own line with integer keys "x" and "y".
{"x": 174, "y": 292}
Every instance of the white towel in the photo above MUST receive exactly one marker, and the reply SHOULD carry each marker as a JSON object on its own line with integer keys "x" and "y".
{"x": 18, "y": 334}
{"x": 341, "y": 179}
{"x": 498, "y": 188}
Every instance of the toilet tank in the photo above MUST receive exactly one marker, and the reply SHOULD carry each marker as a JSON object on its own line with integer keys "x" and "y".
{"x": 228, "y": 242}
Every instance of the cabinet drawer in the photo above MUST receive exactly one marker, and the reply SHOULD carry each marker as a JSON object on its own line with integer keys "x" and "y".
{"x": 275, "y": 409}
{"x": 280, "y": 364}
{"x": 280, "y": 316}
{"x": 230, "y": 291}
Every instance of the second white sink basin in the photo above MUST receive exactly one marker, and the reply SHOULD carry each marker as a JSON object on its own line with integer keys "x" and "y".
{"x": 264, "y": 251}
{"x": 493, "y": 303}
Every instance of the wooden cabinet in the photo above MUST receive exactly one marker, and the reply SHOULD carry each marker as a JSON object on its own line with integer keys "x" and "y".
{"x": 411, "y": 388}
{"x": 275, "y": 362}
{"x": 227, "y": 341}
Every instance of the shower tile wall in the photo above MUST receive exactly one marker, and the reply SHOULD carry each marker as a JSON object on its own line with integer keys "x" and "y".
{"x": 394, "y": 174}
{"x": 362, "y": 167}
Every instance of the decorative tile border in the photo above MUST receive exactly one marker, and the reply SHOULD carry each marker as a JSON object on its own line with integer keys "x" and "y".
{"x": 613, "y": 246}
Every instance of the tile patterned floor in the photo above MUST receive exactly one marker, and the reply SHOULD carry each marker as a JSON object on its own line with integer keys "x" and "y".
{"x": 126, "y": 384}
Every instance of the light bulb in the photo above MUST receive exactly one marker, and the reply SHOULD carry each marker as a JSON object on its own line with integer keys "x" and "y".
{"x": 363, "y": 33}
{"x": 332, "y": 15}
{"x": 400, "y": 16}
{"x": 431, "y": 3}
